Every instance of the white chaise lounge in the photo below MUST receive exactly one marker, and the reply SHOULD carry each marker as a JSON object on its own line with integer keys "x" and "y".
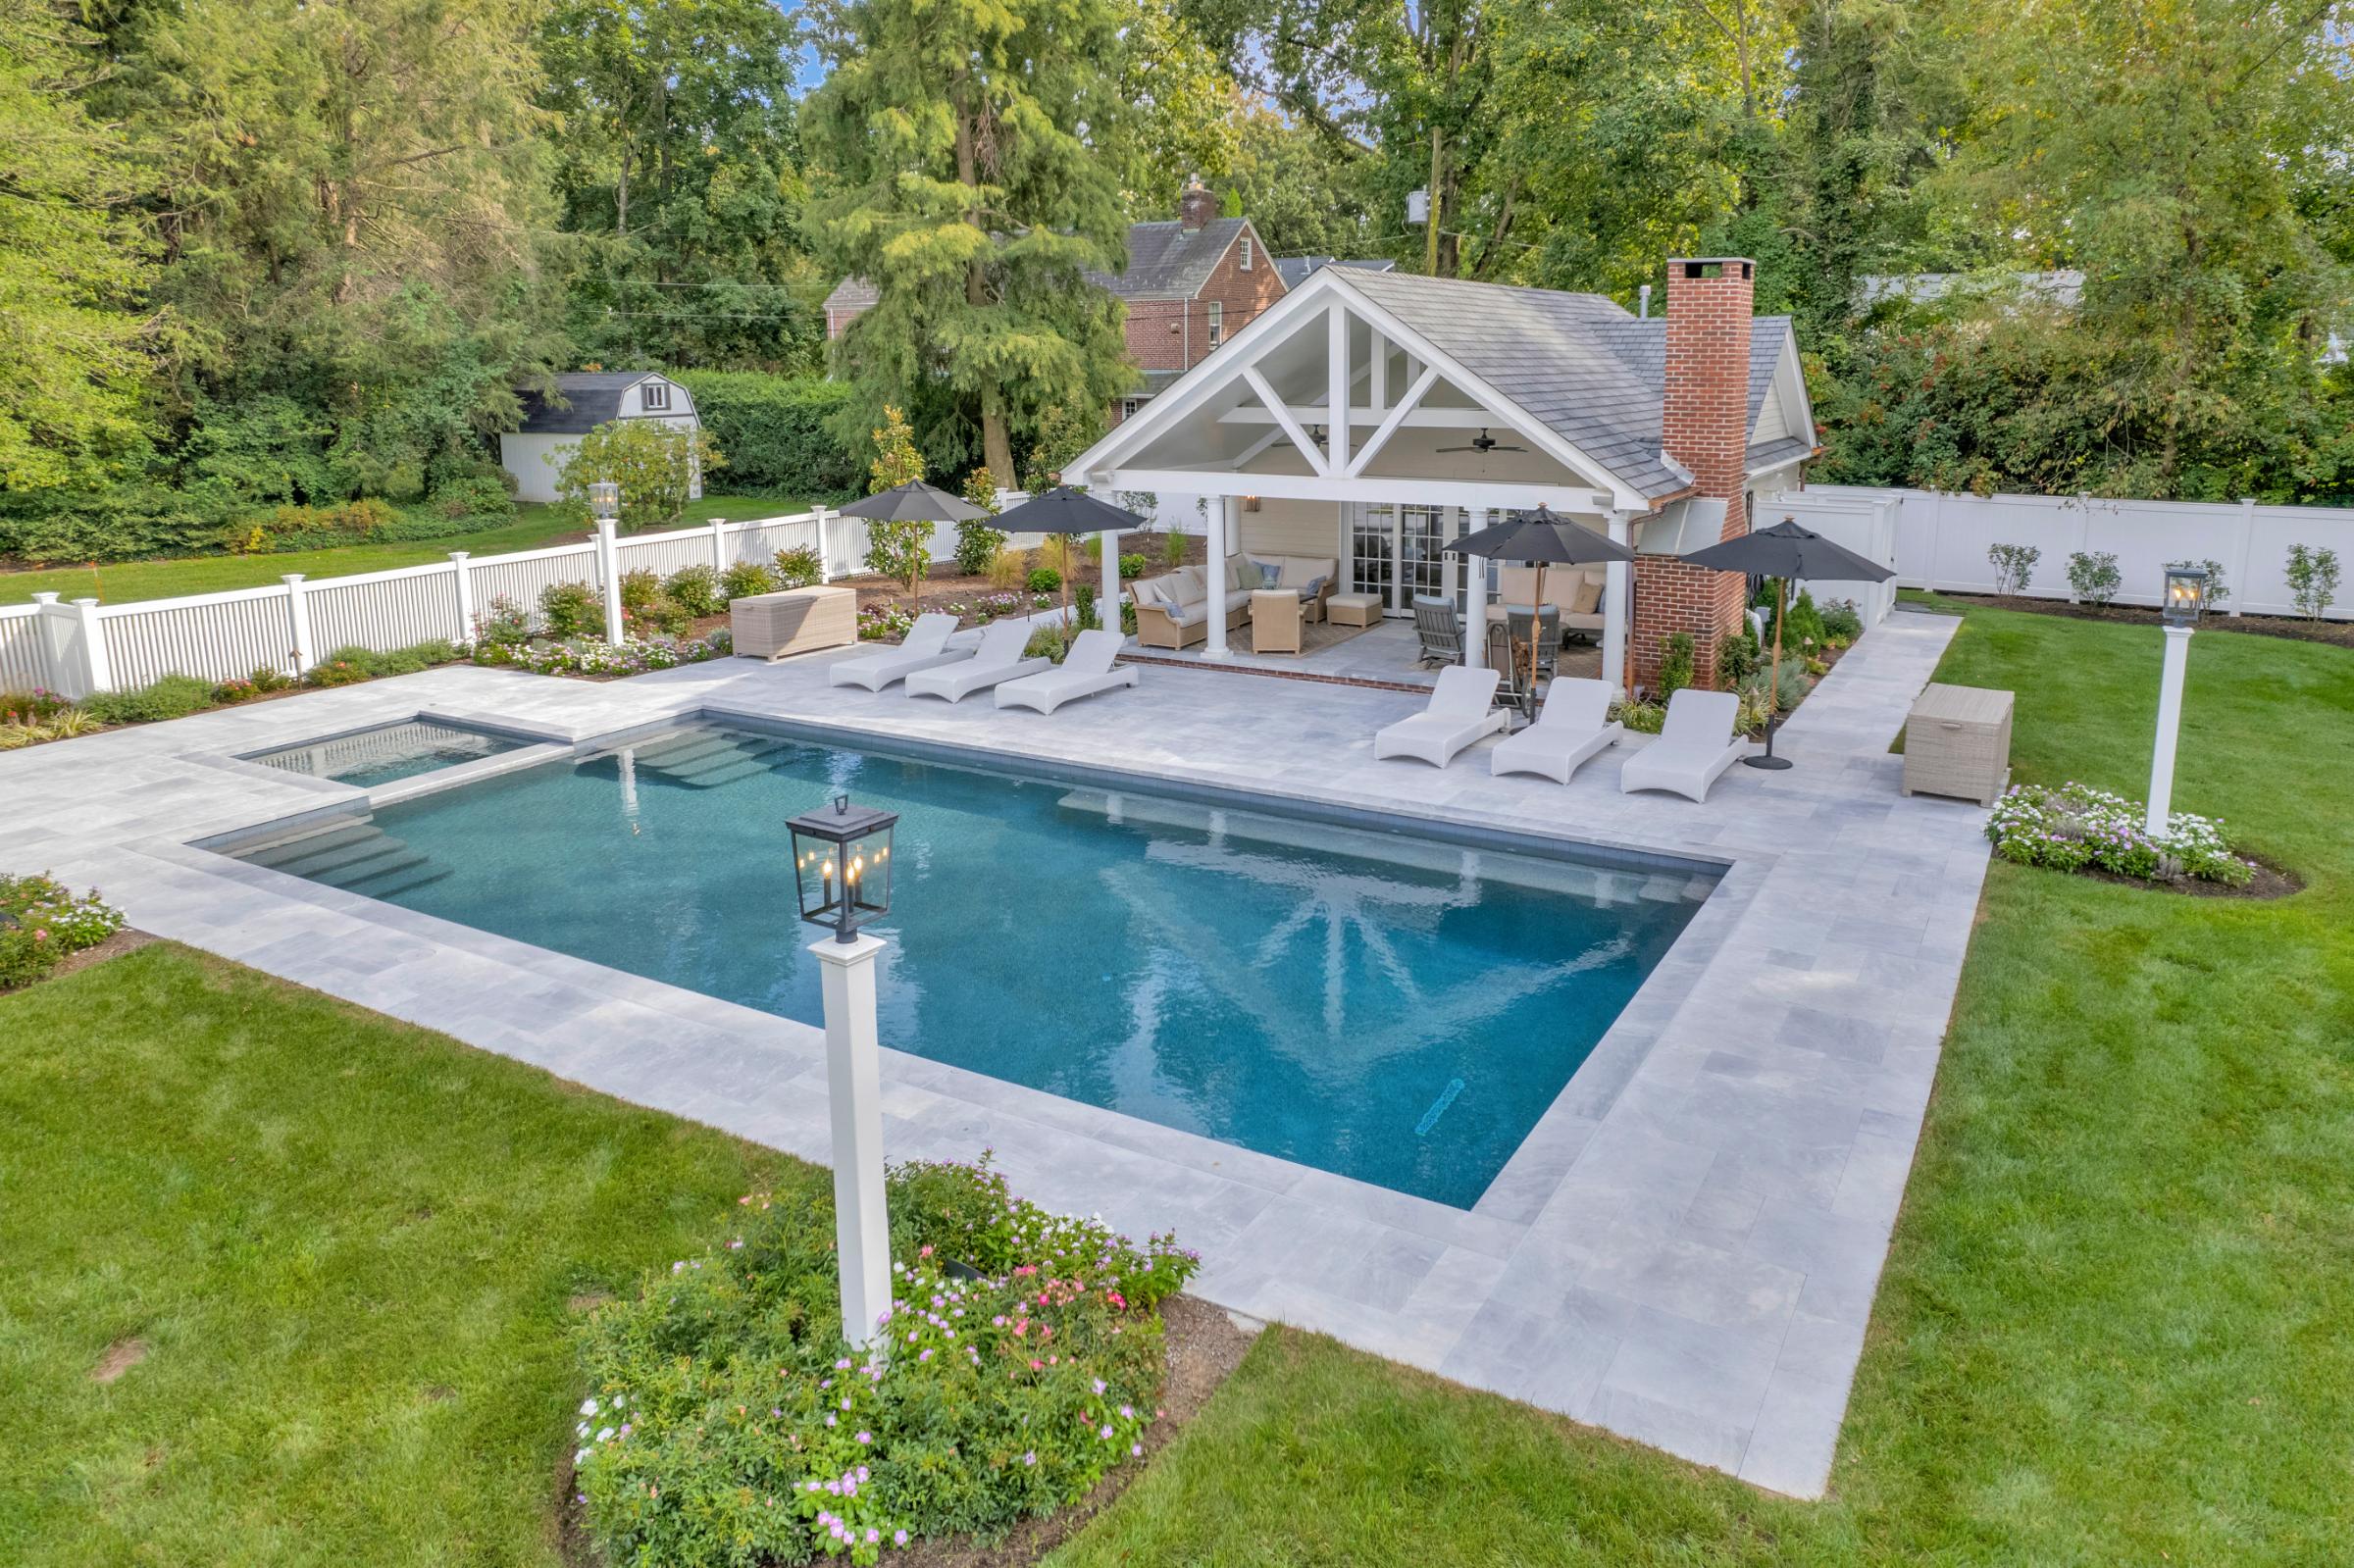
{"x": 1085, "y": 671}
{"x": 925, "y": 645}
{"x": 998, "y": 658}
{"x": 1696, "y": 745}
{"x": 1462, "y": 710}
{"x": 1575, "y": 725}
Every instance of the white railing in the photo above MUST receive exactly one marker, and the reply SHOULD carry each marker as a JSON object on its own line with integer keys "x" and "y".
{"x": 84, "y": 647}
{"x": 1942, "y": 539}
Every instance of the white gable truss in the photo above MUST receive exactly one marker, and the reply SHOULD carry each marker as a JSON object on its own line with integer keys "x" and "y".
{"x": 1257, "y": 418}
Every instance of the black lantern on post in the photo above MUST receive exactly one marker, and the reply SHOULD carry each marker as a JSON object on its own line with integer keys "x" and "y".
{"x": 841, "y": 865}
{"x": 2186, "y": 595}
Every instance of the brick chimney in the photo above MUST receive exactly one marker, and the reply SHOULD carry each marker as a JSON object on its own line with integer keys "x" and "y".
{"x": 1197, "y": 205}
{"x": 1705, "y": 427}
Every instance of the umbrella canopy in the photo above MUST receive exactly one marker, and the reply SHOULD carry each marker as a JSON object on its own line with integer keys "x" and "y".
{"x": 915, "y": 502}
{"x": 1786, "y": 550}
{"x": 1063, "y": 510}
{"x": 1544, "y": 539}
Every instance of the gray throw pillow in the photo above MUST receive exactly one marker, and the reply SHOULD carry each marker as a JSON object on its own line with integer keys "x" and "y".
{"x": 1315, "y": 585}
{"x": 1268, "y": 573}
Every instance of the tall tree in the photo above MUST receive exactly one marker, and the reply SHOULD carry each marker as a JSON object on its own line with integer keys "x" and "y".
{"x": 962, "y": 136}
{"x": 679, "y": 167}
{"x": 1304, "y": 191}
{"x": 74, "y": 260}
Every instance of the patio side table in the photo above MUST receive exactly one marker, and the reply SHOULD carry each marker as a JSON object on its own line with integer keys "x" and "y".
{"x": 1958, "y": 742}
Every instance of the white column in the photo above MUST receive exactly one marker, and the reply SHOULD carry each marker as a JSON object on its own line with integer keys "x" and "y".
{"x": 2170, "y": 722}
{"x": 825, "y": 546}
{"x": 718, "y": 545}
{"x": 1475, "y": 596}
{"x": 2247, "y": 543}
{"x": 854, "y": 1090}
{"x": 1109, "y": 611}
{"x": 96, "y": 669}
{"x": 608, "y": 569}
{"x": 465, "y": 576}
{"x": 298, "y": 619}
{"x": 1225, "y": 524}
{"x": 1613, "y": 608}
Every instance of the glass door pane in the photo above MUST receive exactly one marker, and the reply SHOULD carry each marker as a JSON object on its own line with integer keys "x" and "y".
{"x": 1372, "y": 553}
{"x": 1421, "y": 568}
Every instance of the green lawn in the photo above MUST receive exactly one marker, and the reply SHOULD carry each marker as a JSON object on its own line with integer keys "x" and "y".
{"x": 350, "y": 1249}
{"x": 2118, "y": 1323}
{"x": 535, "y": 526}
{"x": 2114, "y": 1326}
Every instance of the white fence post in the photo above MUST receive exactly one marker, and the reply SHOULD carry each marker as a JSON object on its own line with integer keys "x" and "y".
{"x": 52, "y": 624}
{"x": 608, "y": 566}
{"x": 2247, "y": 552}
{"x": 825, "y": 546}
{"x": 298, "y": 619}
{"x": 97, "y": 672}
{"x": 465, "y": 583}
{"x": 718, "y": 545}
{"x": 1936, "y": 518}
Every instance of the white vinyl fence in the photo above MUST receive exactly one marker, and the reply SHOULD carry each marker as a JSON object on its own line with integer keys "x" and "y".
{"x": 84, "y": 647}
{"x": 1940, "y": 540}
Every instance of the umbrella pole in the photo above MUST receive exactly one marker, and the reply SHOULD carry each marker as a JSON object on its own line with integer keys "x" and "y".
{"x": 1773, "y": 680}
{"x": 1536, "y": 630}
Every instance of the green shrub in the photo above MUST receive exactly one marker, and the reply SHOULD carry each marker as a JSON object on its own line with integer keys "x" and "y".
{"x": 695, "y": 589}
{"x": 268, "y": 677}
{"x": 1675, "y": 665}
{"x": 1172, "y": 550}
{"x": 748, "y": 579}
{"x": 174, "y": 696}
{"x": 1132, "y": 567}
{"x": 474, "y": 495}
{"x": 727, "y": 1423}
{"x": 344, "y": 667}
{"x": 36, "y": 706}
{"x": 1048, "y": 642}
{"x": 1641, "y": 718}
{"x": 503, "y": 625}
{"x": 643, "y": 602}
{"x": 773, "y": 428}
{"x": 1801, "y": 624}
{"x": 1791, "y": 687}
{"x": 1842, "y": 622}
{"x": 1082, "y": 602}
{"x": 977, "y": 544}
{"x": 49, "y": 922}
{"x": 1736, "y": 657}
{"x": 800, "y": 566}
{"x": 572, "y": 610}
{"x": 1044, "y": 580}
{"x": 654, "y": 464}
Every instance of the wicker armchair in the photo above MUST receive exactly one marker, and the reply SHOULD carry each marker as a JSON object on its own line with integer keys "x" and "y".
{"x": 1275, "y": 621}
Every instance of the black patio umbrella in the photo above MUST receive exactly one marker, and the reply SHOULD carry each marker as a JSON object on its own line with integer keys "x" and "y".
{"x": 1064, "y": 510}
{"x": 1543, "y": 540}
{"x": 914, "y": 502}
{"x": 1782, "y": 552}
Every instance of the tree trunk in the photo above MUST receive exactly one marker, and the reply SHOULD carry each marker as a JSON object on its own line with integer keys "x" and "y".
{"x": 997, "y": 441}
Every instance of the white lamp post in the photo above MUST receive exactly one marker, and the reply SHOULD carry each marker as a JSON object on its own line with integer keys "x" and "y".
{"x": 2186, "y": 597}
{"x": 841, "y": 868}
{"x": 604, "y": 509}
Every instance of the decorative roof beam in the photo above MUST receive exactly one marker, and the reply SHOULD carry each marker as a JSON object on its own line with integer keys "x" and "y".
{"x": 1398, "y": 415}
{"x": 1283, "y": 417}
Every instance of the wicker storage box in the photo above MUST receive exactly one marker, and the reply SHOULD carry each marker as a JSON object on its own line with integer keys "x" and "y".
{"x": 1958, "y": 742}
{"x": 776, "y": 626}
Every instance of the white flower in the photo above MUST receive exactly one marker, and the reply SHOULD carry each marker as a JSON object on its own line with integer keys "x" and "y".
{"x": 581, "y": 1430}
{"x": 588, "y": 1407}
{"x": 605, "y": 1434}
{"x": 580, "y": 1458}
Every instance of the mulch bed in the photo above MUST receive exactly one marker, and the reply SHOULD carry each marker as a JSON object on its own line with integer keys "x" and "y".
{"x": 2270, "y": 882}
{"x": 2339, "y": 633}
{"x": 125, "y": 940}
{"x": 1204, "y": 1345}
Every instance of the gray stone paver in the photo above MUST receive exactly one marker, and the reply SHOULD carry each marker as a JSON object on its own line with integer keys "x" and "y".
{"x": 1683, "y": 1252}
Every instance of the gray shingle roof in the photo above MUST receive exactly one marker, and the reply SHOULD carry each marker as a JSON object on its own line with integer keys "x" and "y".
{"x": 593, "y": 396}
{"x": 1168, "y": 261}
{"x": 853, "y": 294}
{"x": 1294, "y": 270}
{"x": 1592, "y": 371}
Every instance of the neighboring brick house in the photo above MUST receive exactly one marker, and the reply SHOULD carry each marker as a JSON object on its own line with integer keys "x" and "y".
{"x": 1192, "y": 281}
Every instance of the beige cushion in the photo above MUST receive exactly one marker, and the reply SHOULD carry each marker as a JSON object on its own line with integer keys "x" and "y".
{"x": 1147, "y": 593}
{"x": 1298, "y": 570}
{"x": 1587, "y": 596}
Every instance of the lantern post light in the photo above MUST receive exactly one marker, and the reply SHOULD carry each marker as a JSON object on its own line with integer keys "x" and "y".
{"x": 604, "y": 510}
{"x": 842, "y": 874}
{"x": 2185, "y": 599}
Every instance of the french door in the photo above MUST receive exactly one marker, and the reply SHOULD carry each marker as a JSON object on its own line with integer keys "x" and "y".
{"x": 1394, "y": 551}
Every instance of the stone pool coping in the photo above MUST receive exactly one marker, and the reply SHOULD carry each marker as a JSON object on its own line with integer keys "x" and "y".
{"x": 1685, "y": 1249}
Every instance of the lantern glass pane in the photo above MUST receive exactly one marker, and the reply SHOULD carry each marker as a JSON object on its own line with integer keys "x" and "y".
{"x": 813, "y": 871}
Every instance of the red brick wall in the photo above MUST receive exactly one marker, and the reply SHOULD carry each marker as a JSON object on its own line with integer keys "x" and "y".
{"x": 1168, "y": 334}
{"x": 1707, "y": 430}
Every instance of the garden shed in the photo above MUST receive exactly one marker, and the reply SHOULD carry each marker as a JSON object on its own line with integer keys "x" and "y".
{"x": 554, "y": 421}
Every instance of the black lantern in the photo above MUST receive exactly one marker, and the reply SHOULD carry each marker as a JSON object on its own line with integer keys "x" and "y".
{"x": 842, "y": 864}
{"x": 2186, "y": 595}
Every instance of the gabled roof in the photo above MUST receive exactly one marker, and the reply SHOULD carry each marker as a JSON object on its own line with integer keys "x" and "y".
{"x": 593, "y": 398}
{"x": 853, "y": 294}
{"x": 1294, "y": 270}
{"x": 1168, "y": 261}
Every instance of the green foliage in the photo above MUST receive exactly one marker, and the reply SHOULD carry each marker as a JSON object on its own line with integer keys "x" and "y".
{"x": 572, "y": 610}
{"x": 1049, "y": 641}
{"x": 726, "y": 1423}
{"x": 1842, "y": 622}
{"x": 1675, "y": 663}
{"x": 695, "y": 589}
{"x": 654, "y": 462}
{"x": 2311, "y": 579}
{"x": 896, "y": 461}
{"x": 798, "y": 566}
{"x": 503, "y": 624}
{"x": 977, "y": 544}
{"x": 1172, "y": 550}
{"x": 1060, "y": 433}
{"x": 1132, "y": 566}
{"x": 901, "y": 551}
{"x": 748, "y": 580}
{"x": 1044, "y": 580}
{"x": 45, "y": 923}
{"x": 644, "y": 603}
{"x": 174, "y": 696}
{"x": 776, "y": 431}
{"x": 1083, "y": 604}
{"x": 1800, "y": 629}
{"x": 1640, "y": 717}
{"x": 1737, "y": 655}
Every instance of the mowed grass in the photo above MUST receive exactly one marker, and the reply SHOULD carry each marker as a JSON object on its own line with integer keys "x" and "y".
{"x": 349, "y": 1249}
{"x": 2118, "y": 1321}
{"x": 535, "y": 526}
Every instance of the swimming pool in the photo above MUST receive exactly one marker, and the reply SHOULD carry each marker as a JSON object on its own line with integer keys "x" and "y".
{"x": 1383, "y": 1005}
{"x": 383, "y": 752}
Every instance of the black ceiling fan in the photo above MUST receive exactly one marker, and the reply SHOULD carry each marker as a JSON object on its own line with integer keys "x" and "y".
{"x": 1483, "y": 444}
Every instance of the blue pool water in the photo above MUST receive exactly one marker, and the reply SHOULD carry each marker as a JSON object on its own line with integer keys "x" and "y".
{"x": 388, "y": 751}
{"x": 1389, "y": 1007}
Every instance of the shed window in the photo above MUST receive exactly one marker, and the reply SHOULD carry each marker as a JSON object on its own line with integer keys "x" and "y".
{"x": 653, "y": 396}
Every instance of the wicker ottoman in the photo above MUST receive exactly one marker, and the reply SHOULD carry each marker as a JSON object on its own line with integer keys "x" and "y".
{"x": 1352, "y": 609}
{"x": 1958, "y": 742}
{"x": 778, "y": 626}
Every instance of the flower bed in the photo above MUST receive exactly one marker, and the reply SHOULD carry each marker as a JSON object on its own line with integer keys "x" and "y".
{"x": 593, "y": 656}
{"x": 728, "y": 1425}
{"x": 44, "y": 923}
{"x": 2076, "y": 828}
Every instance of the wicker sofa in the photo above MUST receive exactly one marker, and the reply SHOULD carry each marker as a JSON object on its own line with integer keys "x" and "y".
{"x": 1576, "y": 592}
{"x": 1173, "y": 611}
